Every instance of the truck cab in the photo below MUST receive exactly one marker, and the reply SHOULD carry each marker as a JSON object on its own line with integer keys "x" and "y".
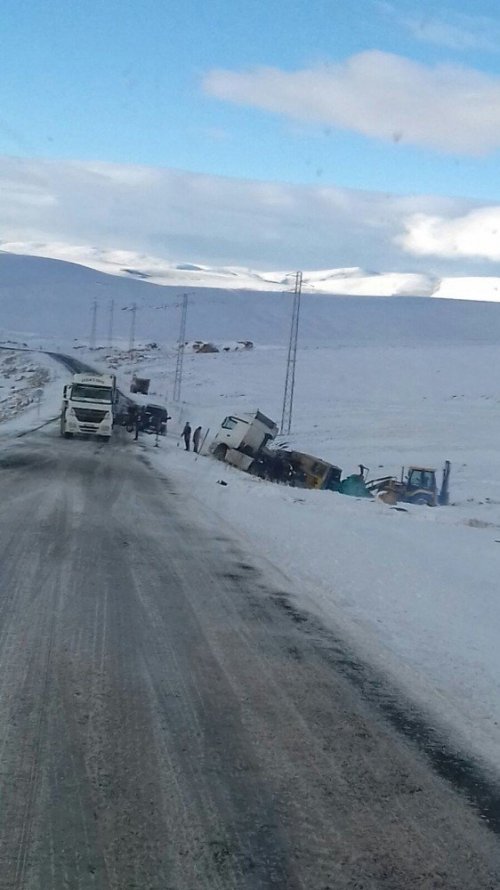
{"x": 245, "y": 433}
{"x": 87, "y": 407}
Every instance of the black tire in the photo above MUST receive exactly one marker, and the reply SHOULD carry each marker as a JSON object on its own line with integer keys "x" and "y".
{"x": 220, "y": 451}
{"x": 68, "y": 435}
{"x": 422, "y": 500}
{"x": 105, "y": 438}
{"x": 255, "y": 469}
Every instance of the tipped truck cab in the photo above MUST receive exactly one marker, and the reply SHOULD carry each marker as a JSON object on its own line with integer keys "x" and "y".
{"x": 245, "y": 433}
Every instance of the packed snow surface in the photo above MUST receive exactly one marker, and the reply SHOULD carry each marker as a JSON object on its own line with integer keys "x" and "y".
{"x": 383, "y": 382}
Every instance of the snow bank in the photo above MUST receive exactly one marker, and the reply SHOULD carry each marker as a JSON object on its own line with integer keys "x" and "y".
{"x": 30, "y": 390}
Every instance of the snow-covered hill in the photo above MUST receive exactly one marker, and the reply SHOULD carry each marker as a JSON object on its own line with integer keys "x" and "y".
{"x": 349, "y": 281}
{"x": 46, "y": 298}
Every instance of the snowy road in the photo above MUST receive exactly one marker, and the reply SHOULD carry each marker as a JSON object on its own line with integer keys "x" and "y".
{"x": 168, "y": 721}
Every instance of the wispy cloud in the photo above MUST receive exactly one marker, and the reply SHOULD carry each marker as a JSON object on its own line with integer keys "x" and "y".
{"x": 447, "y": 108}
{"x": 465, "y": 33}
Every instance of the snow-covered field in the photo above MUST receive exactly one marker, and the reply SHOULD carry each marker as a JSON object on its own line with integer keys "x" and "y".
{"x": 30, "y": 390}
{"x": 385, "y": 383}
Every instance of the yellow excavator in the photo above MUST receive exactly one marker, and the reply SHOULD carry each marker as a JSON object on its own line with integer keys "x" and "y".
{"x": 418, "y": 486}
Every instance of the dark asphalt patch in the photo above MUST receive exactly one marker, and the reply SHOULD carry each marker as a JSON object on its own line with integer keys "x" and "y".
{"x": 465, "y": 773}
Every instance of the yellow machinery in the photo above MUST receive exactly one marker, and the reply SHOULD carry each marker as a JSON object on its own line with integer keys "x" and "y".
{"x": 419, "y": 486}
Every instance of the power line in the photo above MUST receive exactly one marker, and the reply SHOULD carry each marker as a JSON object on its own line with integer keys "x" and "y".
{"x": 180, "y": 350}
{"x": 287, "y": 412}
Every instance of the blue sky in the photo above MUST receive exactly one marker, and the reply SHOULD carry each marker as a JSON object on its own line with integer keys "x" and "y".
{"x": 123, "y": 83}
{"x": 390, "y": 97}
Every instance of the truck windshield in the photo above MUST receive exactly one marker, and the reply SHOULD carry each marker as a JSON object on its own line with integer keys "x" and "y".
{"x": 230, "y": 423}
{"x": 82, "y": 393}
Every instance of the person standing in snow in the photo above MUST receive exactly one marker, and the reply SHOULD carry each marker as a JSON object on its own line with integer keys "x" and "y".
{"x": 138, "y": 423}
{"x": 196, "y": 439}
{"x": 186, "y": 435}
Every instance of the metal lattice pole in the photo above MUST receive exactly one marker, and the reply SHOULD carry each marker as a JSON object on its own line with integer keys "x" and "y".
{"x": 180, "y": 350}
{"x": 131, "y": 341}
{"x": 110, "y": 324}
{"x": 93, "y": 325}
{"x": 286, "y": 415}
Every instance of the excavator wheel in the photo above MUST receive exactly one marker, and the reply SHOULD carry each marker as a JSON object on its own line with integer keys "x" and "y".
{"x": 423, "y": 500}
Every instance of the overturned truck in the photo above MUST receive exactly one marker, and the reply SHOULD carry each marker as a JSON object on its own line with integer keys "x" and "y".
{"x": 243, "y": 440}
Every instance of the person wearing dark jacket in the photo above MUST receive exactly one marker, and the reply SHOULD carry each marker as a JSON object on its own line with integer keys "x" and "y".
{"x": 186, "y": 435}
{"x": 196, "y": 439}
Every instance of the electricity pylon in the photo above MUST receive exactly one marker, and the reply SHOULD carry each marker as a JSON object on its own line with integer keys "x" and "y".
{"x": 287, "y": 413}
{"x": 180, "y": 350}
{"x": 110, "y": 322}
{"x": 93, "y": 325}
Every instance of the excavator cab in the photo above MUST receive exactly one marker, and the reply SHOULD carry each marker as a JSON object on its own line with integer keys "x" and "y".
{"x": 421, "y": 486}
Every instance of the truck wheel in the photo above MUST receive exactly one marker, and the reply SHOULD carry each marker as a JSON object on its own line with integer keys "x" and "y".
{"x": 105, "y": 438}
{"x": 221, "y": 451}
{"x": 255, "y": 469}
{"x": 68, "y": 435}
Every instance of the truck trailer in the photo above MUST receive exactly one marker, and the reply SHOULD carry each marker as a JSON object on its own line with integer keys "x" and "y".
{"x": 87, "y": 407}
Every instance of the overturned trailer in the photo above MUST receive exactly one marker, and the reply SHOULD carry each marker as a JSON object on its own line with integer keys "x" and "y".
{"x": 297, "y": 468}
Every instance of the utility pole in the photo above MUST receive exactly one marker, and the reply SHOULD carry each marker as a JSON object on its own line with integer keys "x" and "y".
{"x": 133, "y": 310}
{"x": 110, "y": 325}
{"x": 180, "y": 350}
{"x": 93, "y": 325}
{"x": 286, "y": 415}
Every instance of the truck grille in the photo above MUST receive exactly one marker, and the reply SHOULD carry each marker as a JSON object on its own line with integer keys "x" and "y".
{"x": 89, "y": 415}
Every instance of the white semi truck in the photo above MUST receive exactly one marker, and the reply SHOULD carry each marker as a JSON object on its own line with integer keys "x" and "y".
{"x": 87, "y": 407}
{"x": 241, "y": 438}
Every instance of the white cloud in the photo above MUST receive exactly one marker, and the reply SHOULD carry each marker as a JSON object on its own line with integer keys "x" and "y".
{"x": 186, "y": 217}
{"x": 448, "y": 108}
{"x": 475, "y": 234}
